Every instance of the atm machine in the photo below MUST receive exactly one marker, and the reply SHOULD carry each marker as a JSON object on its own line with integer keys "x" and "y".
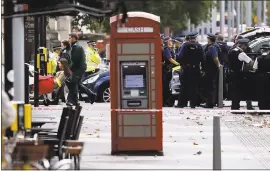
{"x": 134, "y": 85}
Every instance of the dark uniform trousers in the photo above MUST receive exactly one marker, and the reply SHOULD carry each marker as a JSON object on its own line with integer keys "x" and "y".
{"x": 241, "y": 84}
{"x": 166, "y": 78}
{"x": 263, "y": 82}
{"x": 236, "y": 89}
{"x": 263, "y": 90}
{"x": 211, "y": 87}
{"x": 189, "y": 78}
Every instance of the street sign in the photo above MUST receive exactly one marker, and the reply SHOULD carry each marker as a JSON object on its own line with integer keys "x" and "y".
{"x": 135, "y": 30}
{"x": 255, "y": 19}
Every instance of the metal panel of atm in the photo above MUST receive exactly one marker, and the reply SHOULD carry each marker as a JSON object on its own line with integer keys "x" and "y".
{"x": 134, "y": 88}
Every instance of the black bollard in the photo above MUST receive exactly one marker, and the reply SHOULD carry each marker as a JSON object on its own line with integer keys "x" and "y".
{"x": 216, "y": 144}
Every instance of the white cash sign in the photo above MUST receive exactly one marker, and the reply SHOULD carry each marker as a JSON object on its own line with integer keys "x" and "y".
{"x": 135, "y": 30}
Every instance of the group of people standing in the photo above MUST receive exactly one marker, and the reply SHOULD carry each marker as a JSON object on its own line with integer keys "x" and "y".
{"x": 198, "y": 62}
{"x": 80, "y": 63}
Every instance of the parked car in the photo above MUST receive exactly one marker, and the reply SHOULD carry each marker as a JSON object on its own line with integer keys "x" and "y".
{"x": 256, "y": 33}
{"x": 98, "y": 83}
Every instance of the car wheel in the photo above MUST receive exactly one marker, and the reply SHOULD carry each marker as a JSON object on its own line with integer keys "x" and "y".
{"x": 104, "y": 94}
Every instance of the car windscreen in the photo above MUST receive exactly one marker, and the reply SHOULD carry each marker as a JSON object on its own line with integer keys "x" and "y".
{"x": 249, "y": 31}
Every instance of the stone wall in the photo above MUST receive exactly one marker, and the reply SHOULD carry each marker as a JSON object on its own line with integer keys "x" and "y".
{"x": 58, "y": 30}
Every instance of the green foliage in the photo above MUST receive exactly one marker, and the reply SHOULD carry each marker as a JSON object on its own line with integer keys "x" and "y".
{"x": 90, "y": 22}
{"x": 174, "y": 14}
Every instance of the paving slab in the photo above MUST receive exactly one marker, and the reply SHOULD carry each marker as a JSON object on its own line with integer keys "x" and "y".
{"x": 245, "y": 145}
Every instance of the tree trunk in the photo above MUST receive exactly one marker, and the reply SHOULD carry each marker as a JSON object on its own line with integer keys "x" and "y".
{"x": 167, "y": 31}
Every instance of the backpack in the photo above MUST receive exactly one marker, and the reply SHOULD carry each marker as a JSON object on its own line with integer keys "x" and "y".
{"x": 220, "y": 53}
{"x": 224, "y": 51}
{"x": 218, "y": 48}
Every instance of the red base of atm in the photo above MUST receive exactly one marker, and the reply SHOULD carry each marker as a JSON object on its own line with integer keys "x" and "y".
{"x": 138, "y": 153}
{"x": 134, "y": 146}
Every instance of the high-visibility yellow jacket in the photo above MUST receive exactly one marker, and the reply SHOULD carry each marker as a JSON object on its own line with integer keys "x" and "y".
{"x": 93, "y": 59}
{"x": 53, "y": 59}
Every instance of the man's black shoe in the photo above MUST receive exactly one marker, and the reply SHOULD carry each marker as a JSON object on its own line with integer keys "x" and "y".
{"x": 69, "y": 104}
{"x": 235, "y": 112}
{"x": 180, "y": 106}
{"x": 238, "y": 112}
{"x": 92, "y": 98}
{"x": 208, "y": 106}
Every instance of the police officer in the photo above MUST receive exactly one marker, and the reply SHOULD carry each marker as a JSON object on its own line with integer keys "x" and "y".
{"x": 237, "y": 58}
{"x": 168, "y": 63}
{"x": 248, "y": 50}
{"x": 211, "y": 70}
{"x": 237, "y": 38}
{"x": 54, "y": 57}
{"x": 78, "y": 68}
{"x": 262, "y": 67}
{"x": 190, "y": 57}
{"x": 178, "y": 42}
{"x": 93, "y": 59}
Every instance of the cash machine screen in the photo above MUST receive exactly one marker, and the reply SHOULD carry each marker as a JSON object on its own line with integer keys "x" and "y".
{"x": 134, "y": 79}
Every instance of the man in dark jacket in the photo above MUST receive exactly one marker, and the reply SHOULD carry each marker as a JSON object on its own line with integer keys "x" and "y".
{"x": 223, "y": 58}
{"x": 78, "y": 68}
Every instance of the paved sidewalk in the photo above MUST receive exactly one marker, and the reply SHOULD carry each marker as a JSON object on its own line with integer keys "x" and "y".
{"x": 187, "y": 140}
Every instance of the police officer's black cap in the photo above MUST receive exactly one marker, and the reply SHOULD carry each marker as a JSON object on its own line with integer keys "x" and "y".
{"x": 166, "y": 39}
{"x": 243, "y": 41}
{"x": 211, "y": 36}
{"x": 91, "y": 42}
{"x": 192, "y": 34}
{"x": 266, "y": 46}
{"x": 174, "y": 40}
{"x": 179, "y": 39}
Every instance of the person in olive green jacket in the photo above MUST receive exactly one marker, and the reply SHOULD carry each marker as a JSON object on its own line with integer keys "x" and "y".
{"x": 78, "y": 68}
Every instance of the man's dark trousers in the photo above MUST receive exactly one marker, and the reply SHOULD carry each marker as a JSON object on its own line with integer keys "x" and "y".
{"x": 73, "y": 86}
